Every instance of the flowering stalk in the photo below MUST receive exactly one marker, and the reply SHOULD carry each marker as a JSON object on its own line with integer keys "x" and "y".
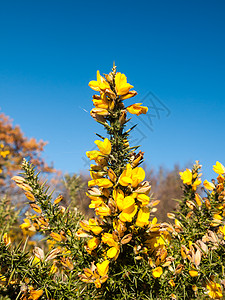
{"x": 122, "y": 229}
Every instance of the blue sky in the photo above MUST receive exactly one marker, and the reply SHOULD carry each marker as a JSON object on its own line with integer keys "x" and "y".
{"x": 173, "y": 52}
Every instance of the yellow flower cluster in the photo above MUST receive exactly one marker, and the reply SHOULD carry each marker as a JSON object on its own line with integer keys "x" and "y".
{"x": 120, "y": 199}
{"x": 191, "y": 179}
{"x": 113, "y": 88}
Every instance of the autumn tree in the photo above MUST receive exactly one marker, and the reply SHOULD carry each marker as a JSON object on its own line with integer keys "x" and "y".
{"x": 14, "y": 146}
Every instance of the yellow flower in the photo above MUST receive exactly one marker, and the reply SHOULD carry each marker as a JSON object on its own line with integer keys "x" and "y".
{"x": 58, "y": 199}
{"x": 172, "y": 283}
{"x": 198, "y": 199}
{"x": 97, "y": 156}
{"x": 28, "y": 228}
{"x": 214, "y": 290}
{"x": 93, "y": 155}
{"x": 103, "y": 102}
{"x": 122, "y": 87}
{"x": 219, "y": 168}
{"x": 96, "y": 172}
{"x": 101, "y": 182}
{"x": 137, "y": 109}
{"x": 96, "y": 275}
{"x": 4, "y": 153}
{"x": 138, "y": 175}
{"x": 103, "y": 210}
{"x": 129, "y": 211}
{"x": 100, "y": 85}
{"x": 30, "y": 196}
{"x": 132, "y": 176}
{"x": 209, "y": 185}
{"x": 35, "y": 294}
{"x": 103, "y": 267}
{"x": 196, "y": 183}
{"x": 6, "y": 239}
{"x": 114, "y": 249}
{"x": 186, "y": 176}
{"x": 125, "y": 177}
{"x": 104, "y": 147}
{"x": 222, "y": 230}
{"x": 144, "y": 199}
{"x": 57, "y": 237}
{"x": 91, "y": 225}
{"x": 36, "y": 208}
{"x": 99, "y": 111}
{"x": 157, "y": 272}
{"x": 193, "y": 273}
{"x": 95, "y": 201}
{"x": 143, "y": 217}
{"x": 93, "y": 243}
{"x": 20, "y": 182}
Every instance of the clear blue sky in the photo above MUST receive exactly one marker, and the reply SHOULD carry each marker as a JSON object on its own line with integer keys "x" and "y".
{"x": 50, "y": 50}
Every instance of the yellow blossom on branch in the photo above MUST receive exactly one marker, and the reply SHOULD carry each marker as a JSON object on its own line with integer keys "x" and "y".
{"x": 96, "y": 274}
{"x": 193, "y": 273}
{"x": 114, "y": 249}
{"x": 214, "y": 290}
{"x": 104, "y": 147}
{"x": 137, "y": 109}
{"x": 143, "y": 217}
{"x": 103, "y": 102}
{"x": 132, "y": 176}
{"x": 100, "y": 85}
{"x": 122, "y": 87}
{"x": 186, "y": 176}
{"x": 6, "y": 239}
{"x": 157, "y": 272}
{"x": 101, "y": 182}
{"x": 209, "y": 185}
{"x": 219, "y": 168}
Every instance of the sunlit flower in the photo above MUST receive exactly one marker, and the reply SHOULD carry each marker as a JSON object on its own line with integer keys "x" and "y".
{"x": 34, "y": 294}
{"x": 196, "y": 183}
{"x": 122, "y": 87}
{"x": 144, "y": 199}
{"x": 28, "y": 228}
{"x": 91, "y": 226}
{"x": 214, "y": 290}
{"x": 157, "y": 272}
{"x": 137, "y": 109}
{"x": 96, "y": 274}
{"x": 57, "y": 237}
{"x": 143, "y": 217}
{"x": 100, "y": 85}
{"x": 219, "y": 168}
{"x": 92, "y": 244}
{"x": 101, "y": 182}
{"x": 198, "y": 199}
{"x": 103, "y": 210}
{"x": 104, "y": 146}
{"x": 103, "y": 268}
{"x": 114, "y": 249}
{"x": 186, "y": 176}
{"x": 193, "y": 273}
{"x": 103, "y": 102}
{"x": 4, "y": 153}
{"x": 132, "y": 176}
{"x": 209, "y": 185}
{"x": 93, "y": 155}
{"x": 6, "y": 239}
{"x": 20, "y": 182}
{"x": 222, "y": 230}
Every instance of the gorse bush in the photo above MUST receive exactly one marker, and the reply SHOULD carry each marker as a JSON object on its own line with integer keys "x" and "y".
{"x": 123, "y": 252}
